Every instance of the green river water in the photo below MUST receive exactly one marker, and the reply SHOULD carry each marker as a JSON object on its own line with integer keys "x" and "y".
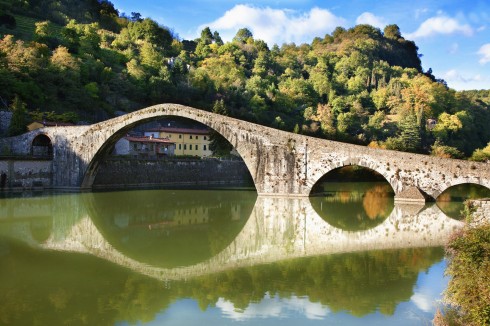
{"x": 222, "y": 257}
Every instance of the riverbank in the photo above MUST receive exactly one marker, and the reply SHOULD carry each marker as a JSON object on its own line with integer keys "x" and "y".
{"x": 467, "y": 297}
{"x": 26, "y": 173}
{"x": 139, "y": 173}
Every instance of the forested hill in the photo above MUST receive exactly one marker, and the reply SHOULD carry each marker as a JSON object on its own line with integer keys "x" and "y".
{"x": 82, "y": 60}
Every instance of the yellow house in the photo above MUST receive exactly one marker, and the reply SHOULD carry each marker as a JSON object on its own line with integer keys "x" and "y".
{"x": 188, "y": 141}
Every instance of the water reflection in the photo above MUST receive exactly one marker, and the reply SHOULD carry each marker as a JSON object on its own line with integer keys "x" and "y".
{"x": 111, "y": 257}
{"x": 354, "y": 206}
{"x": 81, "y": 289}
{"x": 170, "y": 228}
{"x": 451, "y": 201}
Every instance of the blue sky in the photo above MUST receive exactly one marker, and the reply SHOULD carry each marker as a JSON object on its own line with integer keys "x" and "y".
{"x": 452, "y": 35}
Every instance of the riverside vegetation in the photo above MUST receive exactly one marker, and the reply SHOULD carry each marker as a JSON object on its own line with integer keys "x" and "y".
{"x": 468, "y": 293}
{"x": 76, "y": 61}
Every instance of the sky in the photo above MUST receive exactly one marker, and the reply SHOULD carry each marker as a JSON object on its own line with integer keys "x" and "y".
{"x": 452, "y": 35}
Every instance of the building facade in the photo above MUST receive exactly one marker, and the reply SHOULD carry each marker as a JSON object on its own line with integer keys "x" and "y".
{"x": 188, "y": 141}
{"x": 144, "y": 147}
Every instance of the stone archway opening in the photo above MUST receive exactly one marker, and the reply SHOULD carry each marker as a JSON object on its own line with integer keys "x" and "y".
{"x": 451, "y": 201}
{"x": 353, "y": 198}
{"x": 42, "y": 146}
{"x": 167, "y": 152}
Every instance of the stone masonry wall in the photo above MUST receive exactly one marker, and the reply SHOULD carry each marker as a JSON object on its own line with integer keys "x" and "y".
{"x": 141, "y": 173}
{"x": 5, "y": 117}
{"x": 481, "y": 213}
{"x": 25, "y": 174}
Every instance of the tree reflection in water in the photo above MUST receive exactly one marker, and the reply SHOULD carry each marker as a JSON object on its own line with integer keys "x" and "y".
{"x": 55, "y": 288}
{"x": 50, "y": 287}
{"x": 354, "y": 206}
{"x": 169, "y": 228}
{"x": 451, "y": 201}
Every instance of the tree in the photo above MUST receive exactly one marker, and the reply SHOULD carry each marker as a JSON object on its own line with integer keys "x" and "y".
{"x": 135, "y": 17}
{"x": 243, "y": 35}
{"x": 206, "y": 36}
{"x": 481, "y": 154}
{"x": 392, "y": 32}
{"x": 217, "y": 143}
{"x": 18, "y": 124}
{"x": 217, "y": 38}
{"x": 410, "y": 133}
{"x": 409, "y": 139}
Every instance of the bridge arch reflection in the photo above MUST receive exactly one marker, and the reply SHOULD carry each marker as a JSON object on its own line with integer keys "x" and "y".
{"x": 278, "y": 228}
{"x": 281, "y": 238}
{"x": 451, "y": 200}
{"x": 170, "y": 228}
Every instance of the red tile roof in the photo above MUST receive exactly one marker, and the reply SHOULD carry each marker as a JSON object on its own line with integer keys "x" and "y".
{"x": 149, "y": 140}
{"x": 182, "y": 130}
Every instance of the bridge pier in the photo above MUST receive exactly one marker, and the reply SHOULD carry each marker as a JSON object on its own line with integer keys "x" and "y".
{"x": 412, "y": 194}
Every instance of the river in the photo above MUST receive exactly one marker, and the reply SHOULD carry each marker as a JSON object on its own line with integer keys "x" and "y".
{"x": 219, "y": 257}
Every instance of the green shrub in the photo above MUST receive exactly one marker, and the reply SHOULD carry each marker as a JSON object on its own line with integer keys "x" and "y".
{"x": 469, "y": 268}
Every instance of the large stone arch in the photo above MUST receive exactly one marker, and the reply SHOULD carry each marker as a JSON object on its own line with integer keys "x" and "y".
{"x": 104, "y": 135}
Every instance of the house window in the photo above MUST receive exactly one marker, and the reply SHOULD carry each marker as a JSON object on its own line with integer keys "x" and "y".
{"x": 185, "y": 147}
{"x": 204, "y": 147}
{"x": 135, "y": 147}
{"x": 190, "y": 136}
{"x": 180, "y": 136}
{"x": 205, "y": 138}
{"x": 180, "y": 146}
{"x": 195, "y": 146}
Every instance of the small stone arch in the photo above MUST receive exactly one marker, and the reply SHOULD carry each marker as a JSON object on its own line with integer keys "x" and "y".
{"x": 353, "y": 162}
{"x": 42, "y": 146}
{"x": 459, "y": 183}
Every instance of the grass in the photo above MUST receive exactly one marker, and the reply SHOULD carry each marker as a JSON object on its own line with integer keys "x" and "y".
{"x": 26, "y": 27}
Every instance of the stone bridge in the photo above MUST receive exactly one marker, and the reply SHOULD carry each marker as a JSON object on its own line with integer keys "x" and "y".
{"x": 280, "y": 163}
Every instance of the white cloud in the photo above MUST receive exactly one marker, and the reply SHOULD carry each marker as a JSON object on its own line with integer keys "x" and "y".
{"x": 276, "y": 26}
{"x": 371, "y": 19}
{"x": 465, "y": 81}
{"x": 274, "y": 307}
{"x": 484, "y": 52}
{"x": 440, "y": 25}
{"x": 454, "y": 76}
{"x": 454, "y": 48}
{"x": 420, "y": 12}
{"x": 423, "y": 301}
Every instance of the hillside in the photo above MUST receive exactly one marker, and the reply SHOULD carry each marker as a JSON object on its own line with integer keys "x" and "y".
{"x": 83, "y": 60}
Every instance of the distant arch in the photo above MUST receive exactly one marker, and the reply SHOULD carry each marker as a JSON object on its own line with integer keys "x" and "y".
{"x": 42, "y": 146}
{"x": 459, "y": 183}
{"x": 356, "y": 163}
{"x": 451, "y": 200}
